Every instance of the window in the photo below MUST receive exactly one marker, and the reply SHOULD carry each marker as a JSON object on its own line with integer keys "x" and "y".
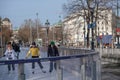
{"x": 106, "y": 22}
{"x": 102, "y": 22}
{"x": 98, "y": 22}
{"x": 98, "y": 28}
{"x": 102, "y": 28}
{"x": 106, "y": 28}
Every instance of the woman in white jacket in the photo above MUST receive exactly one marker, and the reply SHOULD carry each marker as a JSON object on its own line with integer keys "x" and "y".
{"x": 9, "y": 54}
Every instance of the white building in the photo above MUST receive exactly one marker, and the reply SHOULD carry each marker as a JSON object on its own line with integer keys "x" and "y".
{"x": 75, "y": 28}
{"x": 7, "y": 23}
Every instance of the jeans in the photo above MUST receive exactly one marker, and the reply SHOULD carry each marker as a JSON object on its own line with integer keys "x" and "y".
{"x": 9, "y": 67}
{"x": 52, "y": 63}
{"x": 39, "y": 63}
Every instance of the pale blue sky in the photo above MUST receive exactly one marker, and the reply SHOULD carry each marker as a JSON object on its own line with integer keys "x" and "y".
{"x": 19, "y": 10}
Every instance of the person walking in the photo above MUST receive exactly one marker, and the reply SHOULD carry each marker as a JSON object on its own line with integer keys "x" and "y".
{"x": 52, "y": 51}
{"x": 34, "y": 51}
{"x": 16, "y": 48}
{"x": 9, "y": 54}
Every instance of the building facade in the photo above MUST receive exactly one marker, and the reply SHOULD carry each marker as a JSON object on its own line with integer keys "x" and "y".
{"x": 75, "y": 29}
{"x": 6, "y": 31}
{"x": 7, "y": 23}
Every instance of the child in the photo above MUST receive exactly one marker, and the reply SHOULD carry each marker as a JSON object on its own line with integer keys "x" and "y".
{"x": 9, "y": 54}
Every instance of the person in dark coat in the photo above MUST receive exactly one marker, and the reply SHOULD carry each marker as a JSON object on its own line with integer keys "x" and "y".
{"x": 52, "y": 51}
{"x": 16, "y": 48}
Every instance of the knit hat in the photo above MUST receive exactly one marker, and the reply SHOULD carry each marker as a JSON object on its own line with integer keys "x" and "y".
{"x": 52, "y": 43}
{"x": 9, "y": 43}
{"x": 33, "y": 43}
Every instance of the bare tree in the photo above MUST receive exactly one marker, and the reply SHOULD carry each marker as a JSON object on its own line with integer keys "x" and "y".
{"x": 24, "y": 32}
{"x": 90, "y": 10}
{"x": 28, "y": 30}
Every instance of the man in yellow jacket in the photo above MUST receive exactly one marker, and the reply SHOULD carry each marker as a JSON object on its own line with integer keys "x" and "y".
{"x": 34, "y": 52}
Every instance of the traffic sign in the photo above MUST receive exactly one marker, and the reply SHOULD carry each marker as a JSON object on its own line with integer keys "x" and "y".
{"x": 92, "y": 25}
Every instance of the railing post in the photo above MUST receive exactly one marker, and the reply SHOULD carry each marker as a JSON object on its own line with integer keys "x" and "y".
{"x": 59, "y": 71}
{"x": 21, "y": 74}
{"x": 83, "y": 72}
{"x": 98, "y": 66}
{"x": 94, "y": 74}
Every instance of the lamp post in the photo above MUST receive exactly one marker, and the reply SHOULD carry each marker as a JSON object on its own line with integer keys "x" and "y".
{"x": 37, "y": 26}
{"x": 92, "y": 42}
{"x": 1, "y": 35}
{"x": 117, "y": 21}
{"x": 1, "y": 30}
{"x": 62, "y": 30}
{"x": 30, "y": 30}
{"x": 47, "y": 24}
{"x": 53, "y": 33}
{"x": 84, "y": 32}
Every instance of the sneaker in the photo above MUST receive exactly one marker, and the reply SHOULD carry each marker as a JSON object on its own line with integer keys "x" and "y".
{"x": 43, "y": 71}
{"x": 33, "y": 72}
{"x": 13, "y": 69}
{"x": 50, "y": 71}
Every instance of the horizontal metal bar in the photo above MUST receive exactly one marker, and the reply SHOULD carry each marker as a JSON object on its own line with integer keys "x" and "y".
{"x": 5, "y": 62}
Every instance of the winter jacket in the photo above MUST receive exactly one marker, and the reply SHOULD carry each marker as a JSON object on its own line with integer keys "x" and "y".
{"x": 16, "y": 47}
{"x": 52, "y": 51}
{"x": 34, "y": 51}
{"x": 9, "y": 54}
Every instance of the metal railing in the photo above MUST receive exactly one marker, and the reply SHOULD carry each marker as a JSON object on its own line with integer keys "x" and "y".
{"x": 85, "y": 66}
{"x": 110, "y": 55}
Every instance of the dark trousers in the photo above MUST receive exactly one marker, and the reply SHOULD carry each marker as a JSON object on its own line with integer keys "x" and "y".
{"x": 52, "y": 64}
{"x": 11, "y": 65}
{"x": 39, "y": 63}
{"x": 17, "y": 55}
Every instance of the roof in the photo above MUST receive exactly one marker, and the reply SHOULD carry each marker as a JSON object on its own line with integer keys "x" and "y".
{"x": 59, "y": 23}
{"x": 6, "y": 19}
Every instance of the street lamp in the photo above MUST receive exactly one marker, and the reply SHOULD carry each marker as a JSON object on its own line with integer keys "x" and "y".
{"x": 117, "y": 21}
{"x": 47, "y": 29}
{"x": 1, "y": 30}
{"x": 30, "y": 31}
{"x": 37, "y": 26}
{"x": 92, "y": 42}
{"x": 84, "y": 31}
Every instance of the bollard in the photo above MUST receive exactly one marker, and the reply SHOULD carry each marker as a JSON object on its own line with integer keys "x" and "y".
{"x": 21, "y": 74}
{"x": 83, "y": 72}
{"x": 80, "y": 72}
{"x": 89, "y": 69}
{"x": 82, "y": 68}
{"x": 94, "y": 76}
{"x": 59, "y": 71}
{"x": 98, "y": 66}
